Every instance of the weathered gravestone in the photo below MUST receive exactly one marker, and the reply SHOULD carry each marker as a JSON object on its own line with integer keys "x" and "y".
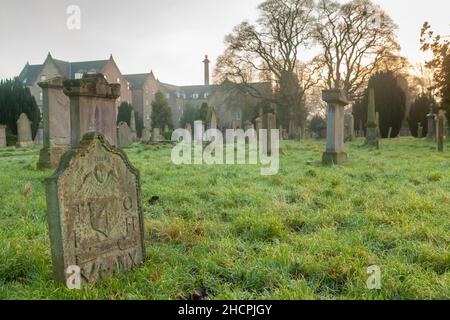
{"x": 125, "y": 135}
{"x": 419, "y": 130}
{"x": 95, "y": 212}
{"x": 24, "y": 135}
{"x": 198, "y": 132}
{"x": 92, "y": 107}
{"x": 372, "y": 127}
{"x": 389, "y": 132}
{"x": 132, "y": 127}
{"x": 56, "y": 123}
{"x": 336, "y": 101}
{"x": 145, "y": 135}
{"x": 156, "y": 135}
{"x": 440, "y": 131}
{"x": 2, "y": 136}
{"x": 431, "y": 132}
{"x": 349, "y": 127}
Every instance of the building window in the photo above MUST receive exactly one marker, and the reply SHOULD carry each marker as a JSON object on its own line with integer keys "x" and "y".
{"x": 41, "y": 96}
{"x": 78, "y": 75}
{"x": 43, "y": 78}
{"x": 195, "y": 96}
{"x": 168, "y": 95}
{"x": 128, "y": 86}
{"x": 205, "y": 96}
{"x": 238, "y": 116}
{"x": 118, "y": 80}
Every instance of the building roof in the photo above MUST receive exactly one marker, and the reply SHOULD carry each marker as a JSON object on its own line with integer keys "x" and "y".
{"x": 137, "y": 80}
{"x": 67, "y": 69}
{"x": 86, "y": 67}
{"x": 29, "y": 73}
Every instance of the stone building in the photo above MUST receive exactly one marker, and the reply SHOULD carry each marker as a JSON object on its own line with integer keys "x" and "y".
{"x": 31, "y": 75}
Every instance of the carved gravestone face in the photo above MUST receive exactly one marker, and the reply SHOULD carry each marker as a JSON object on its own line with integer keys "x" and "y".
{"x": 95, "y": 212}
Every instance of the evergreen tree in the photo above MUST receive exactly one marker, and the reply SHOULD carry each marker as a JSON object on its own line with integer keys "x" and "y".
{"x": 14, "y": 100}
{"x": 189, "y": 116}
{"x": 161, "y": 112}
{"x": 390, "y": 103}
{"x": 124, "y": 113}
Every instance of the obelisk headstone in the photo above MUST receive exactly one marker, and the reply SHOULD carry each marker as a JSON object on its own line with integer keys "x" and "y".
{"x": 56, "y": 123}
{"x": 336, "y": 101}
{"x": 371, "y": 128}
{"x": 431, "y": 132}
{"x": 24, "y": 135}
{"x": 440, "y": 131}
{"x": 92, "y": 107}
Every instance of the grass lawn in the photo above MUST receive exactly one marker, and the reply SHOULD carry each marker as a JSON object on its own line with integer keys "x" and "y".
{"x": 226, "y": 232}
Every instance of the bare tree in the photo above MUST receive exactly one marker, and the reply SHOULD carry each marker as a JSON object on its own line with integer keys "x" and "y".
{"x": 269, "y": 50}
{"x": 357, "y": 38}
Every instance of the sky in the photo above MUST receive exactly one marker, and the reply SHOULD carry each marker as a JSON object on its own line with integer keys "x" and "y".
{"x": 170, "y": 37}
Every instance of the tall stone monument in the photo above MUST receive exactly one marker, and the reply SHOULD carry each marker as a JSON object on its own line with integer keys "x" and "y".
{"x": 440, "y": 131}
{"x": 336, "y": 101}
{"x": 56, "y": 123}
{"x": 431, "y": 132}
{"x": 24, "y": 135}
{"x": 94, "y": 210}
{"x": 133, "y": 126}
{"x": 372, "y": 128}
{"x": 92, "y": 107}
{"x": 2, "y": 136}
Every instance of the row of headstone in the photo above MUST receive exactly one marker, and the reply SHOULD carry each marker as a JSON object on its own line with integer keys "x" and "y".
{"x": 94, "y": 199}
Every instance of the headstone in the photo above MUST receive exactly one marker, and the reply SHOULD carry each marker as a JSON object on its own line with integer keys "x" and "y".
{"x": 145, "y": 135}
{"x": 258, "y": 125}
{"x": 95, "y": 212}
{"x": 189, "y": 127}
{"x": 198, "y": 132}
{"x": 440, "y": 131}
{"x": 349, "y": 127}
{"x": 2, "y": 136}
{"x": 24, "y": 135}
{"x": 431, "y": 132}
{"x": 371, "y": 128}
{"x": 271, "y": 125}
{"x": 56, "y": 123}
{"x": 419, "y": 130}
{"x": 92, "y": 107}
{"x": 166, "y": 128}
{"x": 39, "y": 138}
{"x": 390, "y": 132}
{"x": 156, "y": 135}
{"x": 336, "y": 101}
{"x": 125, "y": 135}
{"x": 249, "y": 126}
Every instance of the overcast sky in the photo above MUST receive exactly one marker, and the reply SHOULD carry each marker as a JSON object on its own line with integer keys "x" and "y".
{"x": 169, "y": 37}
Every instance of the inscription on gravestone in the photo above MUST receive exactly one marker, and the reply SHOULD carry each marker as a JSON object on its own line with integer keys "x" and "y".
{"x": 95, "y": 212}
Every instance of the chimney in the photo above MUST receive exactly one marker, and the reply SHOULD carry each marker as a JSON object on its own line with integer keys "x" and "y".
{"x": 206, "y": 63}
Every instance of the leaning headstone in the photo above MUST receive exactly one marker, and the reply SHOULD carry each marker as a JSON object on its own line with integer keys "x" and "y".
{"x": 431, "y": 132}
{"x": 419, "y": 130}
{"x": 125, "y": 135}
{"x": 156, "y": 135}
{"x": 145, "y": 135}
{"x": 389, "y": 132}
{"x": 92, "y": 107}
{"x": 371, "y": 130}
{"x": 24, "y": 136}
{"x": 440, "y": 131}
{"x": 56, "y": 123}
{"x": 95, "y": 212}
{"x": 336, "y": 101}
{"x": 2, "y": 136}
